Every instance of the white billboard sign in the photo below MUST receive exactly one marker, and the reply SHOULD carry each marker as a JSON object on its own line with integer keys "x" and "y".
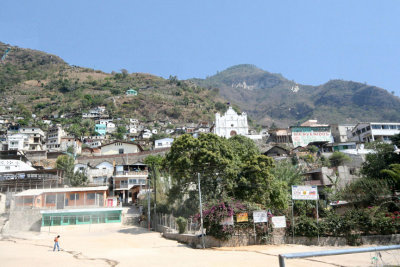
{"x": 260, "y": 216}
{"x": 279, "y": 221}
{"x": 227, "y": 221}
{"x": 304, "y": 192}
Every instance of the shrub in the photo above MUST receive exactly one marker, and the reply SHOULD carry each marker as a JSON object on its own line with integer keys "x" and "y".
{"x": 182, "y": 222}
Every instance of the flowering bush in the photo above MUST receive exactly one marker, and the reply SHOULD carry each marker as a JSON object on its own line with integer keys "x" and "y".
{"x": 215, "y": 214}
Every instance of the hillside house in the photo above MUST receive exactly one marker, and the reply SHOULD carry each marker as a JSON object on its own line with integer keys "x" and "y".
{"x": 100, "y": 129}
{"x": 128, "y": 180}
{"x": 54, "y": 135}
{"x": 120, "y": 147}
{"x": 131, "y": 92}
{"x": 341, "y": 132}
{"x": 163, "y": 143}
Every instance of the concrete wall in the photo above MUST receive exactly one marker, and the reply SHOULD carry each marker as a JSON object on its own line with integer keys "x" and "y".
{"x": 2, "y": 203}
{"x": 25, "y": 220}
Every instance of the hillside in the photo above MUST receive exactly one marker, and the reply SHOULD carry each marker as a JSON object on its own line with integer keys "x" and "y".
{"x": 33, "y": 81}
{"x": 269, "y": 97}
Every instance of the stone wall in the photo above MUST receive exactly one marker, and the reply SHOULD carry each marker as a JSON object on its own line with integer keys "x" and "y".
{"x": 277, "y": 237}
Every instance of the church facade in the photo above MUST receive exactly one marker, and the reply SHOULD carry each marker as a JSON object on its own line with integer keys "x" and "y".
{"x": 231, "y": 124}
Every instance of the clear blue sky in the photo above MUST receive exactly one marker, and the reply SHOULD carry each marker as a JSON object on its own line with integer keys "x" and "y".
{"x": 308, "y": 41}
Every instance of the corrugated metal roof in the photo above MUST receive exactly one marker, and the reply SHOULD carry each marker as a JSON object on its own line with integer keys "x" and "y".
{"x": 36, "y": 192}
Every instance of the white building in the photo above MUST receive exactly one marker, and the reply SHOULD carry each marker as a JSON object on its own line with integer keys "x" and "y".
{"x": 162, "y": 143}
{"x": 17, "y": 142}
{"x": 120, "y": 147}
{"x": 54, "y": 135}
{"x": 374, "y": 131}
{"x": 341, "y": 132}
{"x": 231, "y": 124}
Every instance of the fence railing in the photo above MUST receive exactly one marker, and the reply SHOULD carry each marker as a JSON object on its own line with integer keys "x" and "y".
{"x": 169, "y": 221}
{"x": 282, "y": 257}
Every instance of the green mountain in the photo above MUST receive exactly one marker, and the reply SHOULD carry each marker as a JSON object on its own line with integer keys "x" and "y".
{"x": 36, "y": 82}
{"x": 269, "y": 97}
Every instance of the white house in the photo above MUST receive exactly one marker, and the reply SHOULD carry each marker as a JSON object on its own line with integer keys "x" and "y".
{"x": 154, "y": 131}
{"x": 17, "y": 142}
{"x": 162, "y": 143}
{"x": 120, "y": 147}
{"x": 373, "y": 131}
{"x": 54, "y": 135}
{"x": 111, "y": 128}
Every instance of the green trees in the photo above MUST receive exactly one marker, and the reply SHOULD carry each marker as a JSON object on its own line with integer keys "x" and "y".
{"x": 376, "y": 162}
{"x": 339, "y": 158}
{"x": 67, "y": 163}
{"x": 229, "y": 168}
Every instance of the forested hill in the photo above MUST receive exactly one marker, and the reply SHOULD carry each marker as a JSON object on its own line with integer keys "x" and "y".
{"x": 270, "y": 97}
{"x": 37, "y": 82}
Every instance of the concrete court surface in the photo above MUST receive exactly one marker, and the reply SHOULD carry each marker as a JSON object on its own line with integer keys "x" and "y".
{"x": 133, "y": 246}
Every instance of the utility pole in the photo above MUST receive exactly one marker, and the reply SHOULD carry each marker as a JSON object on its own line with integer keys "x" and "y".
{"x": 154, "y": 171}
{"x": 148, "y": 203}
{"x": 201, "y": 211}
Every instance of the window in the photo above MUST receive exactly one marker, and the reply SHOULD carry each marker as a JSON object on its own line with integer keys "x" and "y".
{"x": 50, "y": 199}
{"x": 363, "y": 130}
{"x": 368, "y": 128}
{"x": 132, "y": 181}
{"x": 392, "y": 127}
{"x": 121, "y": 151}
{"x": 385, "y": 127}
{"x": 377, "y": 127}
{"x": 113, "y": 217}
{"x": 74, "y": 196}
{"x": 91, "y": 196}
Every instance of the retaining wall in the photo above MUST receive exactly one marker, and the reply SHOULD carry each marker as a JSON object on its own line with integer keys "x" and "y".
{"x": 278, "y": 237}
{"x": 25, "y": 220}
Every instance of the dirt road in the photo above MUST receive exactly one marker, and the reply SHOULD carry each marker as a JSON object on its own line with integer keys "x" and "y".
{"x": 136, "y": 247}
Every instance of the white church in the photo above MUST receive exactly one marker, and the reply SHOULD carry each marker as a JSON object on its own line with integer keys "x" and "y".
{"x": 231, "y": 124}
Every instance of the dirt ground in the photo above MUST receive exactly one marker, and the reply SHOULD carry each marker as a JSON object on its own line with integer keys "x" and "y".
{"x": 136, "y": 247}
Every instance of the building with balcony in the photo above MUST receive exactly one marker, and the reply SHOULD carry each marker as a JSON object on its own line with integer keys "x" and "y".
{"x": 129, "y": 180}
{"x": 374, "y": 131}
{"x": 54, "y": 135}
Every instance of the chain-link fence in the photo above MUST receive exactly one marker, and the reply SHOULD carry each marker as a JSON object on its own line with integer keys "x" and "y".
{"x": 169, "y": 221}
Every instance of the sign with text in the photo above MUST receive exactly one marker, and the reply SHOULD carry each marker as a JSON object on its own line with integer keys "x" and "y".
{"x": 242, "y": 217}
{"x": 279, "y": 221}
{"x": 227, "y": 221}
{"x": 304, "y": 192}
{"x": 260, "y": 216}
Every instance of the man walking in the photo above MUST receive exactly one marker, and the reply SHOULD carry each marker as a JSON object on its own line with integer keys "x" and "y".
{"x": 56, "y": 243}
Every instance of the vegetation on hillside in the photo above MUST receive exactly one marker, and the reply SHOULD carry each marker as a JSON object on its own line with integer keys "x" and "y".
{"x": 269, "y": 98}
{"x": 45, "y": 85}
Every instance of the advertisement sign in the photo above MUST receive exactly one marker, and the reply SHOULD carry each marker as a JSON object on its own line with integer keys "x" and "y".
{"x": 302, "y": 136}
{"x": 279, "y": 222}
{"x": 304, "y": 192}
{"x": 260, "y": 216}
{"x": 242, "y": 217}
{"x": 227, "y": 221}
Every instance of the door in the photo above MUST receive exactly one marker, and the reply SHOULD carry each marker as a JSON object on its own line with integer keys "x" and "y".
{"x": 60, "y": 201}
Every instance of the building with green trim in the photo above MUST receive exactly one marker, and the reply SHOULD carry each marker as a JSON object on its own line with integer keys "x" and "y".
{"x": 80, "y": 216}
{"x": 131, "y": 92}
